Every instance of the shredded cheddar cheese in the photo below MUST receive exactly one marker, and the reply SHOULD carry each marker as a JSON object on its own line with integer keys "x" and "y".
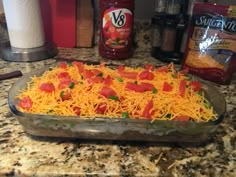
{"x": 100, "y": 91}
{"x": 202, "y": 60}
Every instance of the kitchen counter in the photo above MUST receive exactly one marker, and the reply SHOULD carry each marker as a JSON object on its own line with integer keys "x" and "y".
{"x": 24, "y": 155}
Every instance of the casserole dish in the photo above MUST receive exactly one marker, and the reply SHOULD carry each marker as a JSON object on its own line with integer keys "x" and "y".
{"x": 117, "y": 128}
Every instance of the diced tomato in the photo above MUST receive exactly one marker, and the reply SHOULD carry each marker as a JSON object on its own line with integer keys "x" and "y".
{"x": 47, "y": 87}
{"x": 96, "y": 72}
{"x": 134, "y": 87}
{"x": 108, "y": 80}
{"x": 79, "y": 65}
{"x": 146, "y": 75}
{"x": 63, "y": 75}
{"x": 107, "y": 92}
{"x": 196, "y": 85}
{"x": 182, "y": 87}
{"x": 87, "y": 74}
{"x": 149, "y": 66}
{"x": 77, "y": 110}
{"x": 147, "y": 110}
{"x": 95, "y": 80}
{"x": 65, "y": 95}
{"x": 25, "y": 103}
{"x": 162, "y": 69}
{"x": 64, "y": 84}
{"x": 121, "y": 68}
{"x": 147, "y": 86}
{"x": 101, "y": 108}
{"x": 63, "y": 65}
{"x": 143, "y": 74}
{"x": 167, "y": 87}
{"x": 182, "y": 118}
{"x": 129, "y": 75}
{"x": 98, "y": 79}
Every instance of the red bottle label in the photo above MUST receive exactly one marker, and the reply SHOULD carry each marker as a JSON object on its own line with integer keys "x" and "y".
{"x": 116, "y": 27}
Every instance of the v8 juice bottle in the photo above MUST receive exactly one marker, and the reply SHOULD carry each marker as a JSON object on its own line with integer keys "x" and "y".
{"x": 116, "y": 26}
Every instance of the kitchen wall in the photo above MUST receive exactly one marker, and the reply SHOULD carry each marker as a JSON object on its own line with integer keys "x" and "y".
{"x": 144, "y": 9}
{"x": 1, "y": 7}
{"x": 142, "y": 12}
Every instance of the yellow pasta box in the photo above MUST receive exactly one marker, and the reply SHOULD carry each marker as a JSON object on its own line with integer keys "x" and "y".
{"x": 211, "y": 49}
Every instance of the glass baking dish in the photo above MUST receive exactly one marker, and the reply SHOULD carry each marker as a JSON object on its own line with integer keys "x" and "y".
{"x": 117, "y": 128}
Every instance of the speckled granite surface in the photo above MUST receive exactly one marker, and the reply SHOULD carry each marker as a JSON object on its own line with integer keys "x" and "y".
{"x": 23, "y": 155}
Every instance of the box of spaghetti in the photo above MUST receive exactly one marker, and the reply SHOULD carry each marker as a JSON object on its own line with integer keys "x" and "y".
{"x": 211, "y": 48}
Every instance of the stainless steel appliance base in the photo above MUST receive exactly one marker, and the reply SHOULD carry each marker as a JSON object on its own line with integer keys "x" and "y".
{"x": 9, "y": 53}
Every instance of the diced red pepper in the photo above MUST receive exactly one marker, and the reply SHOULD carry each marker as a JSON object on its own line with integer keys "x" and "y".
{"x": 162, "y": 69}
{"x": 25, "y": 103}
{"x": 129, "y": 75}
{"x": 107, "y": 92}
{"x": 149, "y": 66}
{"x": 101, "y": 108}
{"x": 195, "y": 85}
{"x": 167, "y": 87}
{"x": 47, "y": 87}
{"x": 147, "y": 86}
{"x": 182, "y": 118}
{"x": 146, "y": 75}
{"x": 134, "y": 87}
{"x": 63, "y": 65}
{"x": 147, "y": 113}
{"x": 182, "y": 87}
{"x": 108, "y": 81}
{"x": 77, "y": 110}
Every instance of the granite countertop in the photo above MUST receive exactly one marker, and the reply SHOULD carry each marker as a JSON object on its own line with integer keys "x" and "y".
{"x": 24, "y": 155}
